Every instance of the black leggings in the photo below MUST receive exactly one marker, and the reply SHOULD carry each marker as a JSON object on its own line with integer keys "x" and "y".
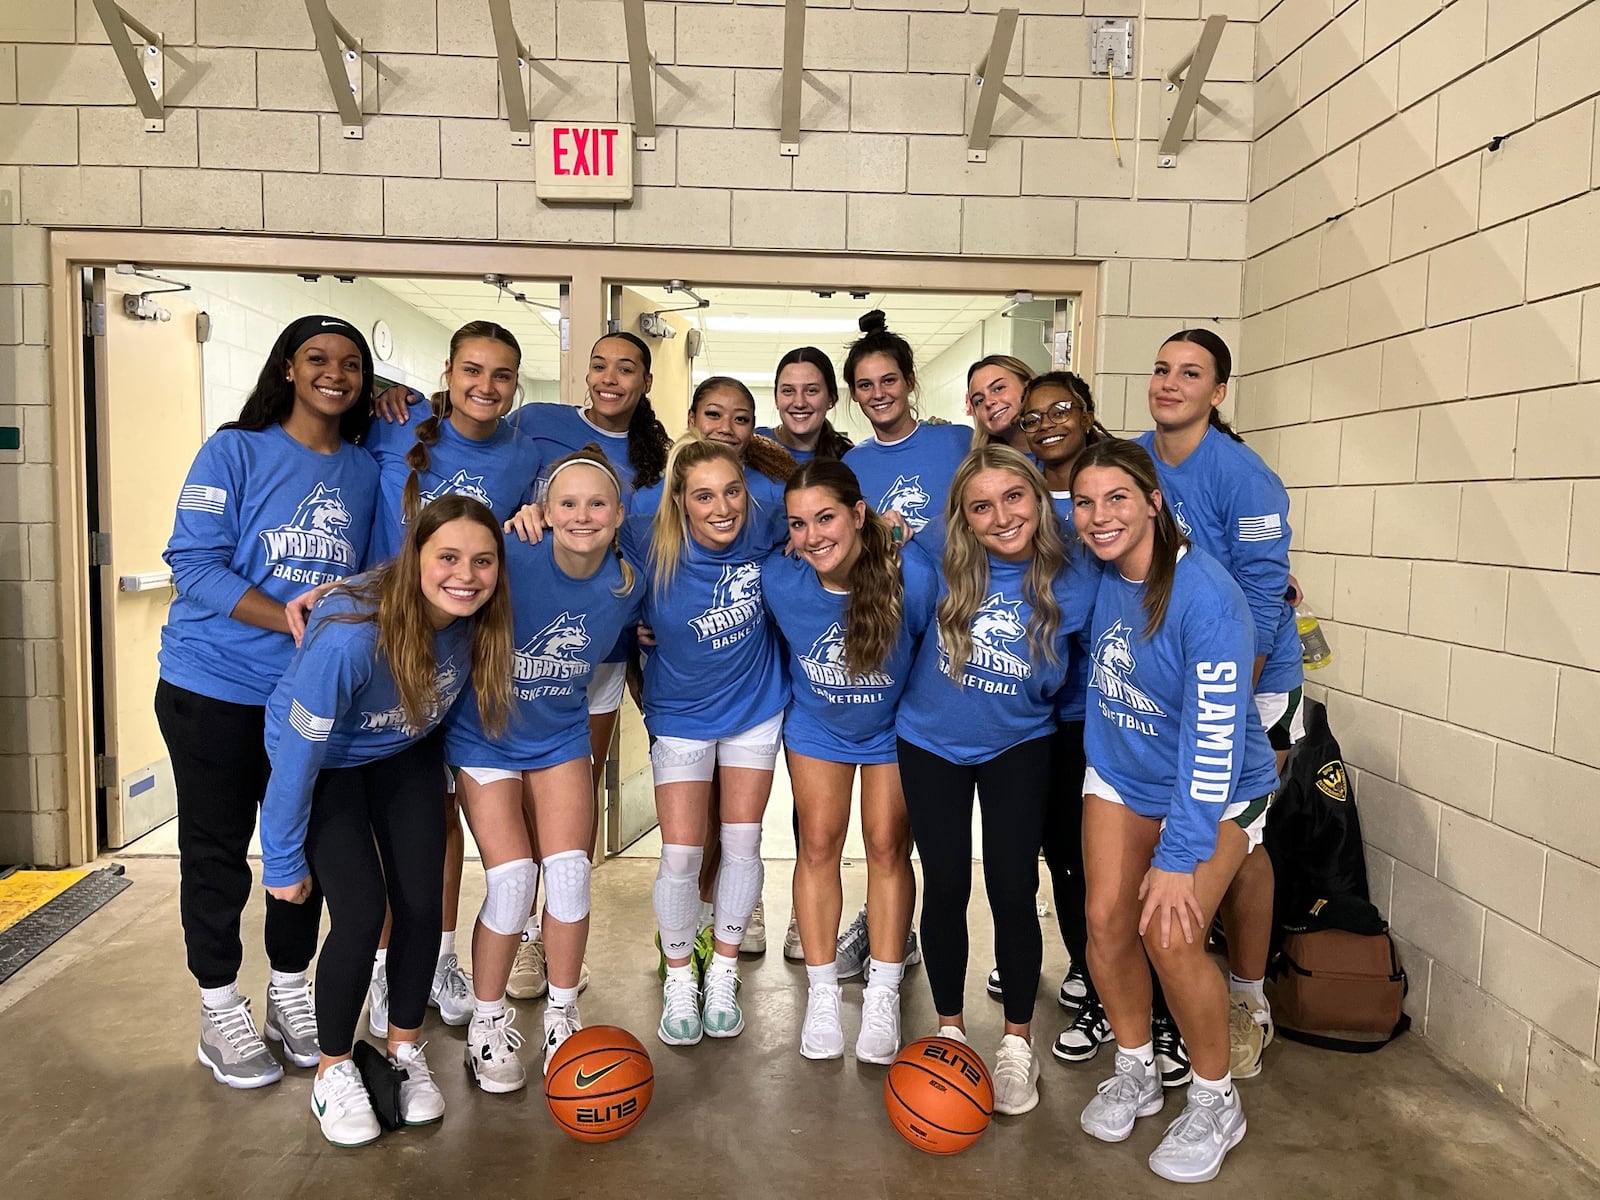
{"x": 1063, "y": 844}
{"x": 376, "y": 835}
{"x": 220, "y": 769}
{"x": 1013, "y": 793}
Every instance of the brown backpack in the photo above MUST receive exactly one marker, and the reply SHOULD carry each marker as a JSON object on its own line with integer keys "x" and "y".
{"x": 1339, "y": 990}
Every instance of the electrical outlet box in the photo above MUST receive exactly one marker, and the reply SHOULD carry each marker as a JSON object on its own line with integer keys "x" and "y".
{"x": 1111, "y": 47}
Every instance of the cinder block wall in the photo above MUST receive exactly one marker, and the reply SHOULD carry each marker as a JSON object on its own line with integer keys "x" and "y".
{"x": 253, "y": 144}
{"x": 1422, "y": 337}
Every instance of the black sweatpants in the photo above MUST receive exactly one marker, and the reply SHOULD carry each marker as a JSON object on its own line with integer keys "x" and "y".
{"x": 220, "y": 768}
{"x": 1063, "y": 844}
{"x": 1013, "y": 793}
{"x": 377, "y": 835}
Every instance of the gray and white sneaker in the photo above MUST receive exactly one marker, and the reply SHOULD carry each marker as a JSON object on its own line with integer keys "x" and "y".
{"x": 233, "y": 1049}
{"x": 1016, "y": 1076}
{"x": 879, "y": 1039}
{"x": 292, "y": 1020}
{"x": 451, "y": 992}
{"x": 755, "y": 931}
{"x": 913, "y": 949}
{"x": 1211, "y": 1124}
{"x": 421, "y": 1101}
{"x": 378, "y": 1002}
{"x": 1133, "y": 1092}
{"x": 342, "y": 1107}
{"x": 492, "y": 1046}
{"x": 853, "y": 948}
{"x": 561, "y": 1021}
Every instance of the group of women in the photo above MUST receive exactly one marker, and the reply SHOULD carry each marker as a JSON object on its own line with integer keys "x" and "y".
{"x": 1080, "y": 630}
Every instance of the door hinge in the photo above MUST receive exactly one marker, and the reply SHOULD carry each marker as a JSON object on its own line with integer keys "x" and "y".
{"x": 105, "y": 770}
{"x": 94, "y": 318}
{"x": 99, "y": 549}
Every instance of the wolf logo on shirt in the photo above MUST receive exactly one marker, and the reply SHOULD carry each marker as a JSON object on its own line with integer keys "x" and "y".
{"x": 447, "y": 680}
{"x": 825, "y": 668}
{"x": 1183, "y": 522}
{"x": 459, "y": 484}
{"x": 550, "y": 656}
{"x": 908, "y": 497}
{"x": 1113, "y": 663}
{"x": 997, "y": 624}
{"x": 314, "y": 535}
{"x": 735, "y": 606}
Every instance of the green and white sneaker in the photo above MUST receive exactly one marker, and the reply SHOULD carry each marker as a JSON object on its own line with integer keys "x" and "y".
{"x": 680, "y": 1012}
{"x": 720, "y": 1012}
{"x": 342, "y": 1107}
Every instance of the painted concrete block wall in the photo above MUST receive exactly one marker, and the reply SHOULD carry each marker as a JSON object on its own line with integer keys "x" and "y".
{"x": 253, "y": 144}
{"x": 1422, "y": 335}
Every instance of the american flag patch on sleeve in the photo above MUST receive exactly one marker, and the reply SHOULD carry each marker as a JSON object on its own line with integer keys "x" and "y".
{"x": 1261, "y": 529}
{"x": 310, "y": 727}
{"x": 197, "y": 497}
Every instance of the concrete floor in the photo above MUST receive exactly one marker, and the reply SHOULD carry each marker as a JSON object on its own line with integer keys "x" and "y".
{"x": 101, "y": 1093}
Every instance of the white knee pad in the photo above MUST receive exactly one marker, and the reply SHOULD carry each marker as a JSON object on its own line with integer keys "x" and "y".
{"x": 566, "y": 886}
{"x": 677, "y": 897}
{"x": 738, "y": 880}
{"x": 508, "y": 896}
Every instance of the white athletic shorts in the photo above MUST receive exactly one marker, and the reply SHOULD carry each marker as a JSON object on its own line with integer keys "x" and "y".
{"x": 690, "y": 760}
{"x": 1254, "y": 827}
{"x": 605, "y": 688}
{"x": 487, "y": 775}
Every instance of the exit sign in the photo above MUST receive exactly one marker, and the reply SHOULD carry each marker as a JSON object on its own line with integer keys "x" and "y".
{"x": 575, "y": 160}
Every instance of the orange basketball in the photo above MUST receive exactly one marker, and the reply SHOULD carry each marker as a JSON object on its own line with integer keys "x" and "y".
{"x": 599, "y": 1084}
{"x": 939, "y": 1095}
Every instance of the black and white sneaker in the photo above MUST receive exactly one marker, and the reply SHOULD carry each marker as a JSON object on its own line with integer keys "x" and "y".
{"x": 1172, "y": 1056}
{"x": 993, "y": 988}
{"x": 1081, "y": 1041}
{"x": 1074, "y": 988}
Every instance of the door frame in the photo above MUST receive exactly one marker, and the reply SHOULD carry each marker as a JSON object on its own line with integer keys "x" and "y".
{"x": 590, "y": 269}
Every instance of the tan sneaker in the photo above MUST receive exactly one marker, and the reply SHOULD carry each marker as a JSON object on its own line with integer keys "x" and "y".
{"x": 528, "y": 980}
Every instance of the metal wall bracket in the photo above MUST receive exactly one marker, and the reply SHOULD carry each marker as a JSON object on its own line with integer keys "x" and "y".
{"x": 794, "y": 69}
{"x": 341, "y": 60}
{"x": 143, "y": 63}
{"x": 641, "y": 75}
{"x": 989, "y": 78}
{"x": 514, "y": 73}
{"x": 1191, "y": 74}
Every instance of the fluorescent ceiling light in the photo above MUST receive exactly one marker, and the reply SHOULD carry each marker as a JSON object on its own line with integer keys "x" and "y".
{"x": 744, "y": 324}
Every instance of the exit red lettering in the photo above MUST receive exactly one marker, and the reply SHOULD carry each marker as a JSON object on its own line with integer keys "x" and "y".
{"x": 592, "y": 151}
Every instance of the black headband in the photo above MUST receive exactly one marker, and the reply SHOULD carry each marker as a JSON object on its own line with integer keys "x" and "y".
{"x": 306, "y": 328}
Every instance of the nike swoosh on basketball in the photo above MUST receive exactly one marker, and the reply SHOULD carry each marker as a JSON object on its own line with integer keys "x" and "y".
{"x": 587, "y": 1081}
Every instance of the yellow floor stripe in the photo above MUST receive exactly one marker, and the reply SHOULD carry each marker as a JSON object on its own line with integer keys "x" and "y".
{"x": 25, "y": 891}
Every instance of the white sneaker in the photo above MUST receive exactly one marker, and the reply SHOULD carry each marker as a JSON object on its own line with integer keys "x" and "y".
{"x": 560, "y": 1023}
{"x": 1211, "y": 1124}
{"x": 879, "y": 1039}
{"x": 342, "y": 1107}
{"x": 792, "y": 949}
{"x": 822, "y": 1035}
{"x": 528, "y": 981}
{"x": 1016, "y": 1076}
{"x": 378, "y": 1002}
{"x": 755, "y": 931}
{"x": 954, "y": 1033}
{"x": 492, "y": 1046}
{"x": 1133, "y": 1092}
{"x": 451, "y": 993}
{"x": 421, "y": 1101}
{"x": 680, "y": 1012}
{"x": 720, "y": 1013}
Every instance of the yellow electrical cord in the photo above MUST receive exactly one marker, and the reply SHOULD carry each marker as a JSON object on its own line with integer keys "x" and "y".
{"x": 1111, "y": 85}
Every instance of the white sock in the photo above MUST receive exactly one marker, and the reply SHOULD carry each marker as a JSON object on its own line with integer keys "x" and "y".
{"x": 447, "y": 943}
{"x": 226, "y": 996}
{"x": 1146, "y": 1054}
{"x": 827, "y": 974}
{"x": 1223, "y": 1085}
{"x": 562, "y": 997}
{"x": 488, "y": 1010}
{"x": 288, "y": 979}
{"x": 685, "y": 972}
{"x": 884, "y": 974}
{"x": 723, "y": 962}
{"x": 707, "y": 914}
{"x": 1256, "y": 989}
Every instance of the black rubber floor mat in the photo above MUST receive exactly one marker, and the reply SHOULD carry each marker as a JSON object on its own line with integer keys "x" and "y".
{"x": 28, "y": 938}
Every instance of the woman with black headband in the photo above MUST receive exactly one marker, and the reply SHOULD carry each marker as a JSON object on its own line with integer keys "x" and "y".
{"x": 276, "y": 503}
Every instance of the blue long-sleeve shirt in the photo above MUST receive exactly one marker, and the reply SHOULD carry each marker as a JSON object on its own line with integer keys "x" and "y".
{"x": 1172, "y": 725}
{"x": 562, "y": 627}
{"x": 500, "y": 471}
{"x": 1234, "y": 507}
{"x": 1006, "y": 695}
{"x": 717, "y": 668}
{"x": 911, "y": 476}
{"x": 835, "y": 715}
{"x": 568, "y": 429}
{"x": 338, "y": 706}
{"x": 257, "y": 510}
